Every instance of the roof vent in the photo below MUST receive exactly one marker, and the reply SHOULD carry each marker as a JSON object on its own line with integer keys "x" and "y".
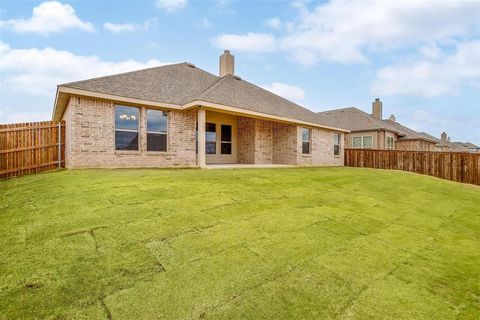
{"x": 341, "y": 110}
{"x": 237, "y": 77}
{"x": 328, "y": 112}
{"x": 191, "y": 65}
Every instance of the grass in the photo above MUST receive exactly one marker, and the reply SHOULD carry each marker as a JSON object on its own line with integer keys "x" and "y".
{"x": 307, "y": 243}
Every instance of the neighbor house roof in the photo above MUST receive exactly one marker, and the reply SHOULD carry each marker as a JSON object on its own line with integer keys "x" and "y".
{"x": 355, "y": 120}
{"x": 409, "y": 134}
{"x": 183, "y": 86}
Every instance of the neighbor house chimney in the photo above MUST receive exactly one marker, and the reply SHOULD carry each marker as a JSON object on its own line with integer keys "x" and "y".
{"x": 377, "y": 108}
{"x": 392, "y": 118}
{"x": 227, "y": 63}
{"x": 444, "y": 137}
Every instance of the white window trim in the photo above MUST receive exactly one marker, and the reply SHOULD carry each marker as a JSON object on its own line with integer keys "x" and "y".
{"x": 362, "y": 137}
{"x": 393, "y": 143}
{"x": 309, "y": 141}
{"x": 339, "y": 144}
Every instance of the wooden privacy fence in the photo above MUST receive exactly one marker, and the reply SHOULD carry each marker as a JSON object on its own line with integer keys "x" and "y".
{"x": 27, "y": 148}
{"x": 456, "y": 166}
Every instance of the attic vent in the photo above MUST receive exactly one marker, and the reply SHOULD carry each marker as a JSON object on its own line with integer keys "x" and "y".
{"x": 328, "y": 112}
{"x": 191, "y": 65}
{"x": 341, "y": 110}
{"x": 237, "y": 77}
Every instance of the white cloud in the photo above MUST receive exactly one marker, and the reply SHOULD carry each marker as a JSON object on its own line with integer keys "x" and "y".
{"x": 119, "y": 27}
{"x": 274, "y": 23}
{"x": 130, "y": 27}
{"x": 49, "y": 17}
{"x": 345, "y": 31}
{"x": 38, "y": 71}
{"x": 287, "y": 91}
{"x": 250, "y": 42}
{"x": 432, "y": 75}
{"x": 172, "y": 5}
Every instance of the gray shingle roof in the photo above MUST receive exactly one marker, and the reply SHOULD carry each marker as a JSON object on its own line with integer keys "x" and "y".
{"x": 409, "y": 134}
{"x": 354, "y": 119}
{"x": 176, "y": 83}
{"x": 183, "y": 83}
{"x": 235, "y": 92}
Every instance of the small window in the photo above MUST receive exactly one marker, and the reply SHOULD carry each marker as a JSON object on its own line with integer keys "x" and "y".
{"x": 357, "y": 142}
{"x": 210, "y": 138}
{"x": 367, "y": 142}
{"x": 364, "y": 142}
{"x": 336, "y": 143}
{"x": 156, "y": 130}
{"x": 226, "y": 142}
{"x": 126, "y": 128}
{"x": 306, "y": 138}
{"x": 390, "y": 143}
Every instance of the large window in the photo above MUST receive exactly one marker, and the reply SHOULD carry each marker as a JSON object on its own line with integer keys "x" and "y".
{"x": 390, "y": 143}
{"x": 306, "y": 138}
{"x": 210, "y": 138}
{"x": 156, "y": 130}
{"x": 364, "y": 142}
{"x": 226, "y": 143}
{"x": 336, "y": 143}
{"x": 126, "y": 128}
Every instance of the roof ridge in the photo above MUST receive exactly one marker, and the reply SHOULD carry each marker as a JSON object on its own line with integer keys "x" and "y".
{"x": 209, "y": 88}
{"x": 121, "y": 73}
{"x": 332, "y": 110}
{"x": 138, "y": 70}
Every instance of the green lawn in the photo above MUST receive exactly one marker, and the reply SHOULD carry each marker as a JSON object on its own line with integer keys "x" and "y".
{"x": 303, "y": 243}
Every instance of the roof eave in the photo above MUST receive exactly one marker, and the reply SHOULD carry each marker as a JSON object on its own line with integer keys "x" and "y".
{"x": 246, "y": 112}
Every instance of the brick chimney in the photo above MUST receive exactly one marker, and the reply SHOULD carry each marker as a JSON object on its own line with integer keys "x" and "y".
{"x": 444, "y": 137}
{"x": 392, "y": 118}
{"x": 227, "y": 64}
{"x": 377, "y": 108}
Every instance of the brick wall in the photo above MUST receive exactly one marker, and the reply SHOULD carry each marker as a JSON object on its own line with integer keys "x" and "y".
{"x": 415, "y": 145}
{"x": 246, "y": 140}
{"x": 284, "y": 143}
{"x": 263, "y": 142}
{"x": 321, "y": 149}
{"x": 91, "y": 138}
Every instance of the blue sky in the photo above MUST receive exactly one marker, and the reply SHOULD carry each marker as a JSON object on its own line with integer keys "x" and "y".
{"x": 421, "y": 58}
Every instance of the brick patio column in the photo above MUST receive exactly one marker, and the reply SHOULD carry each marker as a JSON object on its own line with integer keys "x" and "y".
{"x": 201, "y": 119}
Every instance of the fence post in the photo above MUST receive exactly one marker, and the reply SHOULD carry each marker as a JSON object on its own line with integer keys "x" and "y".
{"x": 60, "y": 144}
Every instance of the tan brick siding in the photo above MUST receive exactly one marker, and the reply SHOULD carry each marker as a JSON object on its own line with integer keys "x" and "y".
{"x": 263, "y": 142}
{"x": 321, "y": 149}
{"x": 246, "y": 140}
{"x": 91, "y": 138}
{"x": 415, "y": 145}
{"x": 284, "y": 143}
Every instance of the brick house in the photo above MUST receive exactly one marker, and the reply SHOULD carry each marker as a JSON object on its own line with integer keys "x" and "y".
{"x": 180, "y": 115}
{"x": 371, "y": 131}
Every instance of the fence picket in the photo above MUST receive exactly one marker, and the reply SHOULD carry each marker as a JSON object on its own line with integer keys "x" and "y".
{"x": 27, "y": 148}
{"x": 456, "y": 166}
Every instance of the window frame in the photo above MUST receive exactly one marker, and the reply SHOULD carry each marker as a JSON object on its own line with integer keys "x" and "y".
{"x": 225, "y": 141}
{"x": 339, "y": 135}
{"x": 362, "y": 145}
{"x": 126, "y": 130}
{"x": 166, "y": 114}
{"x": 309, "y": 141}
{"x": 390, "y": 146}
{"x": 214, "y": 141}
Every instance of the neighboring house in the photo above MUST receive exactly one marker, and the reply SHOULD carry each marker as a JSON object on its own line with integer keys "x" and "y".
{"x": 370, "y": 131}
{"x": 444, "y": 144}
{"x": 152, "y": 118}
